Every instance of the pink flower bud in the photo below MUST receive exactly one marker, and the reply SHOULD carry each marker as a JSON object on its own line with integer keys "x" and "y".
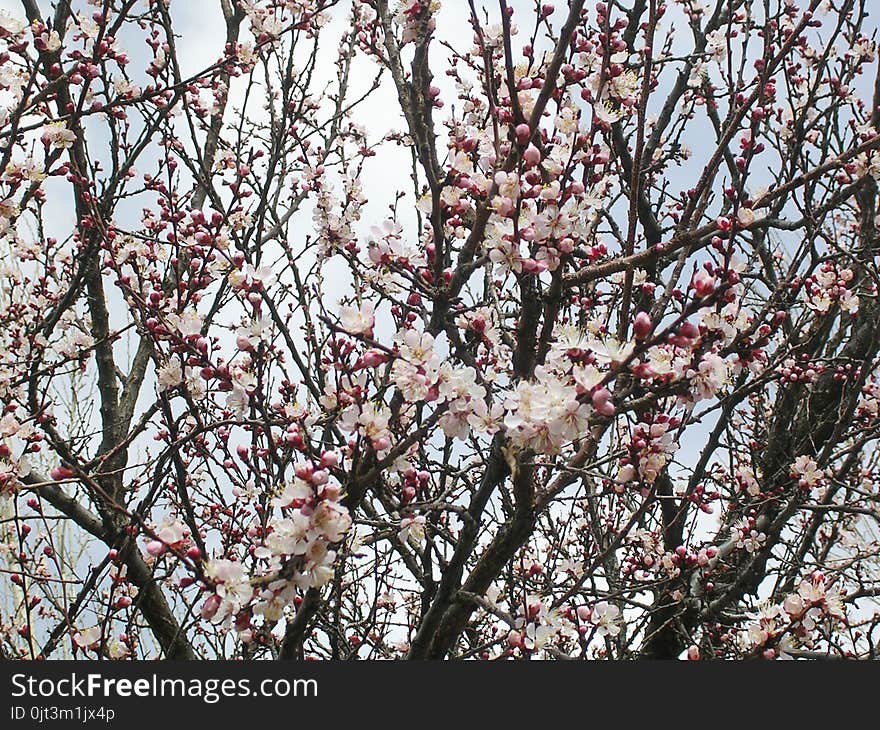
{"x": 210, "y": 607}
{"x": 243, "y": 343}
{"x": 373, "y": 358}
{"x": 155, "y": 548}
{"x": 532, "y": 266}
{"x": 703, "y": 283}
{"x": 602, "y": 402}
{"x": 60, "y": 472}
{"x": 642, "y": 325}
{"x": 523, "y": 134}
{"x": 515, "y": 640}
{"x": 532, "y": 156}
{"x": 689, "y": 331}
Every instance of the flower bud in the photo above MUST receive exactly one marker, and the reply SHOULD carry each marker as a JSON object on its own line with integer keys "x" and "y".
{"x": 155, "y": 548}
{"x": 642, "y": 325}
